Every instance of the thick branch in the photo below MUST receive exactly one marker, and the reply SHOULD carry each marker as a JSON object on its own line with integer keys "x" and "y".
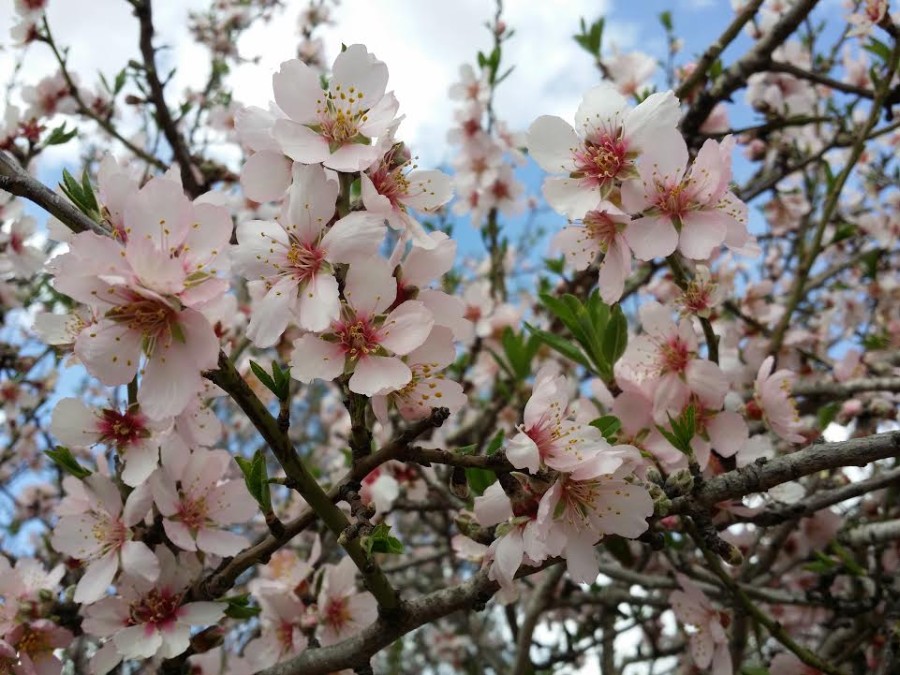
{"x": 761, "y": 476}
{"x": 15, "y": 180}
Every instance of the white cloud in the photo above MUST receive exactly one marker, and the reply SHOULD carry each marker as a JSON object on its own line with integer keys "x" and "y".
{"x": 423, "y": 44}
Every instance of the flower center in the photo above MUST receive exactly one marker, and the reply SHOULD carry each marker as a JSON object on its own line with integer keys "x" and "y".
{"x": 601, "y": 227}
{"x": 33, "y": 642}
{"x": 674, "y": 356}
{"x": 340, "y": 114}
{"x": 156, "y": 607}
{"x": 358, "y": 338}
{"x": 121, "y": 430}
{"x": 150, "y": 318}
{"x": 337, "y": 613}
{"x": 192, "y": 513}
{"x": 305, "y": 260}
{"x": 601, "y": 159}
{"x": 673, "y": 201}
{"x": 111, "y": 534}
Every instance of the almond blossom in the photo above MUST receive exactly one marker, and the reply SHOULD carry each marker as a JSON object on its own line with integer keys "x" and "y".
{"x": 693, "y": 211}
{"x": 135, "y": 437}
{"x": 334, "y": 126}
{"x": 428, "y": 388}
{"x": 582, "y": 507}
{"x": 148, "y": 619}
{"x": 709, "y": 642}
{"x": 665, "y": 358}
{"x": 146, "y": 293}
{"x": 602, "y": 230}
{"x": 548, "y": 438}
{"x": 604, "y": 149}
{"x": 197, "y": 505}
{"x": 389, "y": 190}
{"x": 772, "y": 399}
{"x": 342, "y": 610}
{"x": 365, "y": 340}
{"x": 294, "y": 257}
{"x": 94, "y": 528}
{"x": 284, "y": 619}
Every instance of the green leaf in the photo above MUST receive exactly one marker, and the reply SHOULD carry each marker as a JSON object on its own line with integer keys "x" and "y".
{"x": 495, "y": 444}
{"x": 239, "y": 607}
{"x": 59, "y": 135}
{"x": 754, "y": 670}
{"x": 665, "y": 18}
{"x": 561, "y": 345}
{"x": 65, "y": 460}
{"x": 608, "y": 426}
{"x": 256, "y": 477}
{"x": 826, "y": 414}
{"x": 380, "y": 541}
{"x": 615, "y": 339}
{"x": 479, "y": 479}
{"x": 87, "y": 192}
{"x": 847, "y": 558}
{"x": 263, "y": 377}
{"x": 880, "y": 49}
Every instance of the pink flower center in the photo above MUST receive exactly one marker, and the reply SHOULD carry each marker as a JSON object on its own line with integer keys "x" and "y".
{"x": 601, "y": 160}
{"x": 674, "y": 356}
{"x": 673, "y": 201}
{"x": 150, "y": 318}
{"x": 357, "y": 338}
{"x": 305, "y": 260}
{"x": 121, "y": 430}
{"x": 285, "y": 635}
{"x": 337, "y": 614}
{"x": 33, "y": 642}
{"x": 193, "y": 513}
{"x": 111, "y": 534}
{"x": 601, "y": 227}
{"x": 16, "y": 243}
{"x": 157, "y": 607}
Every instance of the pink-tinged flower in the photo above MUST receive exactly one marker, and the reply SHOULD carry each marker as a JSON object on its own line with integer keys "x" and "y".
{"x": 631, "y": 71}
{"x": 702, "y": 295}
{"x": 95, "y": 529}
{"x": 422, "y": 267}
{"x": 115, "y": 184}
{"x": 364, "y": 340}
{"x": 294, "y": 257}
{"x": 389, "y": 190}
{"x": 35, "y": 642}
{"x": 283, "y": 622}
{"x": 267, "y": 172}
{"x": 693, "y": 211}
{"x": 871, "y": 14}
{"x": 148, "y": 619}
{"x": 772, "y": 398}
{"x": 665, "y": 358}
{"x": 196, "y": 506}
{"x": 135, "y": 438}
{"x": 709, "y": 642}
{"x": 21, "y": 258}
{"x": 548, "y": 438}
{"x": 342, "y": 610}
{"x": 145, "y": 292}
{"x": 583, "y": 507}
{"x": 334, "y": 126}
{"x": 519, "y": 539}
{"x": 429, "y": 388}
{"x": 604, "y": 149}
{"x": 601, "y": 231}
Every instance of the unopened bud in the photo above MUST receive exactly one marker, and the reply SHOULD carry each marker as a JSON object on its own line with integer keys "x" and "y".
{"x": 679, "y": 482}
{"x": 654, "y": 476}
{"x": 731, "y": 554}
{"x": 459, "y": 486}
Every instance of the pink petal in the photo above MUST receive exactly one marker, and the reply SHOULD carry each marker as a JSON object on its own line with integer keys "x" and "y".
{"x": 266, "y": 175}
{"x": 701, "y": 233}
{"x": 550, "y": 142}
{"x": 406, "y": 327}
{"x": 379, "y": 375}
{"x": 314, "y": 358}
{"x": 651, "y": 237}
{"x": 139, "y": 560}
{"x": 297, "y": 91}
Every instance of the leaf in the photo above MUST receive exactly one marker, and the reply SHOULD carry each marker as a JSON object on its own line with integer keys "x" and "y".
{"x": 239, "y": 607}
{"x": 608, "y": 426}
{"x": 826, "y": 414}
{"x": 561, "y": 345}
{"x": 65, "y": 460}
{"x": 878, "y": 48}
{"x": 665, "y": 18}
{"x": 615, "y": 339}
{"x": 59, "y": 135}
{"x": 263, "y": 376}
{"x": 496, "y": 443}
{"x": 479, "y": 479}
{"x": 256, "y": 477}
{"x": 380, "y": 541}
